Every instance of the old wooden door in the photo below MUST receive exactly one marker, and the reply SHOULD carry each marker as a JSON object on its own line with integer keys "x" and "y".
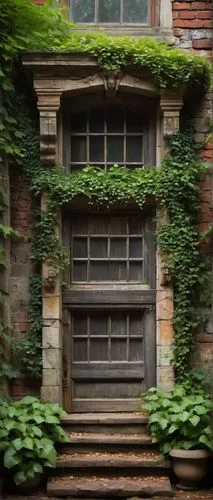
{"x": 109, "y": 353}
{"x": 111, "y": 300}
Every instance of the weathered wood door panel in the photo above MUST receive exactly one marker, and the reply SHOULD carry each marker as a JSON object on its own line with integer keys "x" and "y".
{"x": 111, "y": 299}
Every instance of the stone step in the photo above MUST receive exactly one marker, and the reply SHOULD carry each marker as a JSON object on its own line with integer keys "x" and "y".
{"x": 105, "y": 487}
{"x": 84, "y": 442}
{"x": 151, "y": 460}
{"x": 124, "y": 423}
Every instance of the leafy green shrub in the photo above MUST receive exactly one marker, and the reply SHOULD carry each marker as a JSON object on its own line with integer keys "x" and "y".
{"x": 180, "y": 418}
{"x": 28, "y": 431}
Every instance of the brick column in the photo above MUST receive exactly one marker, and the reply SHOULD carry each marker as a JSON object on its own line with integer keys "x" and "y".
{"x": 170, "y": 106}
{"x": 51, "y": 391}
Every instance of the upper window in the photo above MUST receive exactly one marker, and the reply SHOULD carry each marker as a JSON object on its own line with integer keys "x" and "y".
{"x": 111, "y": 11}
{"x": 103, "y": 137}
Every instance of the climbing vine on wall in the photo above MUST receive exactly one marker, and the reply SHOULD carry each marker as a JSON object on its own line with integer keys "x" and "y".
{"x": 29, "y": 27}
{"x": 171, "y": 187}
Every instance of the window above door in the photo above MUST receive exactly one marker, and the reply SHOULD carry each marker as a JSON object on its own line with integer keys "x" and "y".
{"x": 112, "y": 11}
{"x": 106, "y": 136}
{"x": 124, "y": 17}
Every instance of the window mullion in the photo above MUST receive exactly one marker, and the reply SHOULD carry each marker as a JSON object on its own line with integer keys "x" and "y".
{"x": 96, "y": 11}
{"x": 121, "y": 11}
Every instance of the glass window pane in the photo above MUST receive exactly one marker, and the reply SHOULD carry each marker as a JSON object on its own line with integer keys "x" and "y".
{"x": 98, "y": 350}
{"x": 118, "y": 325}
{"x": 115, "y": 149}
{"x": 78, "y": 149}
{"x": 109, "y": 11}
{"x": 135, "y": 247}
{"x": 79, "y": 325}
{"x": 133, "y": 123}
{"x": 136, "y": 271}
{"x": 135, "y": 11}
{"x": 96, "y": 120}
{"x": 96, "y": 152}
{"x": 118, "y": 247}
{"x": 79, "y": 247}
{"x": 99, "y": 271}
{"x": 99, "y": 325}
{"x": 83, "y": 11}
{"x": 135, "y": 324}
{"x": 118, "y": 350}
{"x": 134, "y": 150}
{"x": 79, "y": 350}
{"x": 117, "y": 271}
{"x": 135, "y": 226}
{"x": 115, "y": 120}
{"x": 98, "y": 247}
{"x": 79, "y": 271}
{"x": 79, "y": 123}
{"x": 135, "y": 350}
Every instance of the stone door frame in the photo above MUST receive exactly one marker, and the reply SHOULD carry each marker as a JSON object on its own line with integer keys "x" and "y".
{"x": 54, "y": 76}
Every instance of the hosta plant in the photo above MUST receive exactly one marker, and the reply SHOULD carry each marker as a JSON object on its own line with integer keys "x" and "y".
{"x": 29, "y": 430}
{"x": 181, "y": 418}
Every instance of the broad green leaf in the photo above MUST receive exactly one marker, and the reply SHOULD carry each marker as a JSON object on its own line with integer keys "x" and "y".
{"x": 38, "y": 419}
{"x": 206, "y": 441}
{"x": 37, "y": 468}
{"x": 28, "y": 443}
{"x": 51, "y": 419}
{"x": 172, "y": 429}
{"x": 36, "y": 431}
{"x": 3, "y": 433}
{"x": 194, "y": 420}
{"x": 11, "y": 458}
{"x": 20, "y": 477}
{"x": 4, "y": 445}
{"x": 18, "y": 444}
{"x": 163, "y": 423}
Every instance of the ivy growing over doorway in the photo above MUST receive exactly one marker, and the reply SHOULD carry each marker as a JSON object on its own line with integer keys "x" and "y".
{"x": 170, "y": 187}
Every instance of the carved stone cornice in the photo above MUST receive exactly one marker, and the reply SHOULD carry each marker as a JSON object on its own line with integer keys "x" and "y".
{"x": 171, "y": 105}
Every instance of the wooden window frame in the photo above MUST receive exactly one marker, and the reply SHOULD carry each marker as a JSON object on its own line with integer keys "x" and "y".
{"x": 105, "y": 134}
{"x": 150, "y": 22}
{"x": 143, "y": 105}
{"x": 153, "y": 21}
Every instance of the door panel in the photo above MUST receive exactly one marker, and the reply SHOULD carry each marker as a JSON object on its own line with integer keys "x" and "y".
{"x": 112, "y": 311}
{"x": 108, "y": 352}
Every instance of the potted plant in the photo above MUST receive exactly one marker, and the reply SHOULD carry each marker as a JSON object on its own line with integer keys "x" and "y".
{"x": 29, "y": 430}
{"x": 180, "y": 422}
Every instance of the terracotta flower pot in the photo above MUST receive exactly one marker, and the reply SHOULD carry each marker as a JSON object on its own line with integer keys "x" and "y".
{"x": 190, "y": 466}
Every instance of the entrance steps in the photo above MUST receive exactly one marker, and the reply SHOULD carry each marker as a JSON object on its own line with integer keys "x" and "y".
{"x": 109, "y": 456}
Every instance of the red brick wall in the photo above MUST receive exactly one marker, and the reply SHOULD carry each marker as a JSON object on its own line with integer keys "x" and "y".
{"x": 192, "y": 28}
{"x": 21, "y": 268}
{"x": 192, "y": 23}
